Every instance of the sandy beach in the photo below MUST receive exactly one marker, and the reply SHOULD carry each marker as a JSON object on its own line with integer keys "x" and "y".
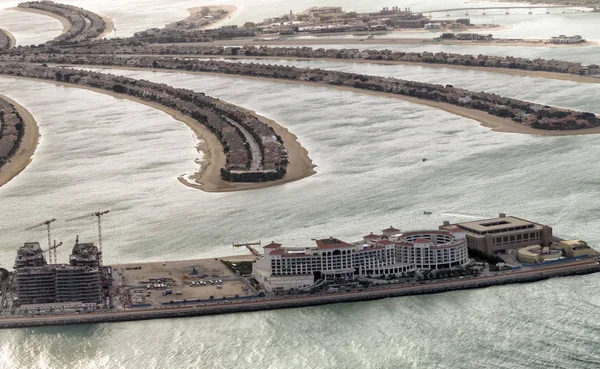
{"x": 208, "y": 176}
{"x": 513, "y": 72}
{"x": 231, "y": 9}
{"x": 388, "y": 41}
{"x": 110, "y": 26}
{"x": 12, "y": 40}
{"x": 496, "y": 124}
{"x": 29, "y": 143}
{"x": 65, "y": 22}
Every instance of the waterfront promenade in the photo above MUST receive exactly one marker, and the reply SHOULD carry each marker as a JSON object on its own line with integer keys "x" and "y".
{"x": 577, "y": 267}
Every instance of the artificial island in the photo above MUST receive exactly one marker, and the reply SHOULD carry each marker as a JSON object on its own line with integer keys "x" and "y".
{"x": 475, "y": 254}
{"x": 246, "y": 150}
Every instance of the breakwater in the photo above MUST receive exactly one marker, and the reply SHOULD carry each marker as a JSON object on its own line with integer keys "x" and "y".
{"x": 302, "y": 301}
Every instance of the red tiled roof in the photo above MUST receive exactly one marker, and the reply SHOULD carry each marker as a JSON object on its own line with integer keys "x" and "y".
{"x": 276, "y": 252}
{"x": 372, "y": 236}
{"x": 273, "y": 245}
{"x": 332, "y": 243}
{"x": 391, "y": 229}
{"x": 422, "y": 240}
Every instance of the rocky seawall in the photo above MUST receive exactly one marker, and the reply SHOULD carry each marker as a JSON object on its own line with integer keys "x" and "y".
{"x": 296, "y": 302}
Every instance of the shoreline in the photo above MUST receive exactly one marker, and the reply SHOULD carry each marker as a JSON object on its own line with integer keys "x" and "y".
{"x": 391, "y": 41}
{"x": 11, "y": 38}
{"x": 110, "y": 26}
{"x": 512, "y": 72}
{"x": 587, "y": 266}
{"x": 231, "y": 9}
{"x": 493, "y": 122}
{"x": 208, "y": 177}
{"x": 64, "y": 21}
{"x": 24, "y": 155}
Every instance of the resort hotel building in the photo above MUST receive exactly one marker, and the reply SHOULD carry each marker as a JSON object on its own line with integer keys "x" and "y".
{"x": 387, "y": 255}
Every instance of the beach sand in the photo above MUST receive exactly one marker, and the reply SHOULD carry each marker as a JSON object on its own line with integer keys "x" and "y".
{"x": 496, "y": 124}
{"x": 208, "y": 176}
{"x": 12, "y": 40}
{"x": 110, "y": 26}
{"x": 29, "y": 143}
{"x": 231, "y": 9}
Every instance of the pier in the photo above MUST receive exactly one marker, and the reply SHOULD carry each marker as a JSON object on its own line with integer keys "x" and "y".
{"x": 507, "y": 9}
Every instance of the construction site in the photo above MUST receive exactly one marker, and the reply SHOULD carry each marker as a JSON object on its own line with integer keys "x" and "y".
{"x": 40, "y": 285}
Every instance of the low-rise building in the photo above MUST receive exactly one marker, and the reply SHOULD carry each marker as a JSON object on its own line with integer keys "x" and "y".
{"x": 497, "y": 235}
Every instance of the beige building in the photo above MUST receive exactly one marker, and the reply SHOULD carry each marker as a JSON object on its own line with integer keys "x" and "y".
{"x": 497, "y": 235}
{"x": 536, "y": 254}
{"x": 574, "y": 248}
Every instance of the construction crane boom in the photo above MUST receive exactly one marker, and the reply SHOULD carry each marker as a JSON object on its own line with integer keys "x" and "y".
{"x": 98, "y": 215}
{"x": 47, "y": 224}
{"x": 53, "y": 247}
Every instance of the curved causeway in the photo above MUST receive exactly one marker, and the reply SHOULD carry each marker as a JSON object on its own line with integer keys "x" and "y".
{"x": 78, "y": 24}
{"x": 7, "y": 40}
{"x": 232, "y": 135}
{"x": 499, "y": 113}
{"x": 19, "y": 136}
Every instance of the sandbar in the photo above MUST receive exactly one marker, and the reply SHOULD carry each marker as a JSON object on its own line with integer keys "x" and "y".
{"x": 493, "y": 122}
{"x": 19, "y": 161}
{"x": 110, "y": 26}
{"x": 11, "y": 38}
{"x": 231, "y": 10}
{"x": 208, "y": 177}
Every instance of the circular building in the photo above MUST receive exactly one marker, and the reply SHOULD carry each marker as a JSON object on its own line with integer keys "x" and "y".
{"x": 434, "y": 249}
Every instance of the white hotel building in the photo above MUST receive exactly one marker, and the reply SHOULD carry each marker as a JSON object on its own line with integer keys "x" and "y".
{"x": 390, "y": 254}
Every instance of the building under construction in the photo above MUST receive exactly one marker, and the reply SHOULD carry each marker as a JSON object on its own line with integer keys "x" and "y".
{"x": 82, "y": 280}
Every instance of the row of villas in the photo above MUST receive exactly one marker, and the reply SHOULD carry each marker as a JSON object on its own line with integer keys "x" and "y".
{"x": 85, "y": 25}
{"x": 390, "y": 254}
{"x": 245, "y": 137}
{"x": 521, "y": 112}
{"x": 11, "y": 130}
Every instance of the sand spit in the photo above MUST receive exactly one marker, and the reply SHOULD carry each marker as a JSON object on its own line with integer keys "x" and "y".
{"x": 65, "y": 22}
{"x": 208, "y": 176}
{"x": 496, "y": 124}
{"x": 232, "y": 10}
{"x": 513, "y": 72}
{"x": 27, "y": 147}
{"x": 11, "y": 39}
{"x": 386, "y": 41}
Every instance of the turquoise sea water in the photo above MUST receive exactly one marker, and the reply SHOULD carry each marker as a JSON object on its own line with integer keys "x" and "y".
{"x": 100, "y": 152}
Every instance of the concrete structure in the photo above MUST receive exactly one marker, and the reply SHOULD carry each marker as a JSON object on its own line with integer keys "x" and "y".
{"x": 389, "y": 255}
{"x": 574, "y": 248}
{"x": 37, "y": 282}
{"x": 562, "y": 39}
{"x": 498, "y": 235}
{"x": 537, "y": 254}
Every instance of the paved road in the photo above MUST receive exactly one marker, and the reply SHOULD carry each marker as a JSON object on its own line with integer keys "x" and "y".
{"x": 254, "y": 148}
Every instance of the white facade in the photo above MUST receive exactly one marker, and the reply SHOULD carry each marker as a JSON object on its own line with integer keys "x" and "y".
{"x": 391, "y": 254}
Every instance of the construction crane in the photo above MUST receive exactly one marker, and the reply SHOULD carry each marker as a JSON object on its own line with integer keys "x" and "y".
{"x": 53, "y": 247}
{"x": 98, "y": 215}
{"x": 47, "y": 224}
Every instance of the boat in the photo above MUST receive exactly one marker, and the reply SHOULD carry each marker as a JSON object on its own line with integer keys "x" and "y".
{"x": 427, "y": 213}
